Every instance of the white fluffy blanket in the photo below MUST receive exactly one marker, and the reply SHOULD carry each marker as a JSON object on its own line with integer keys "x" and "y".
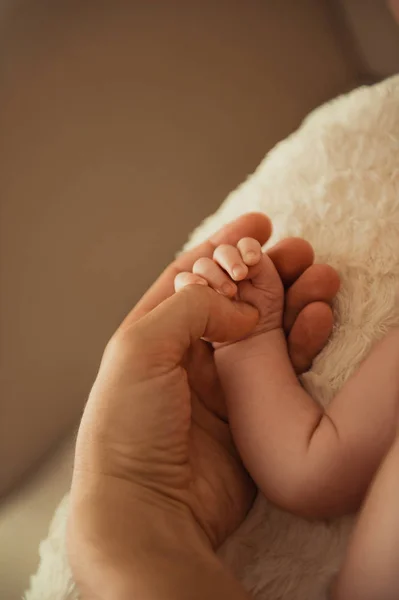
{"x": 334, "y": 182}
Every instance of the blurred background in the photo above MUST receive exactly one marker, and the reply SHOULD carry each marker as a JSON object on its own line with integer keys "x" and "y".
{"x": 122, "y": 125}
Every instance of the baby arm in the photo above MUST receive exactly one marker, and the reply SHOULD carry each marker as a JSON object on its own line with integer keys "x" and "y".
{"x": 371, "y": 567}
{"x": 312, "y": 462}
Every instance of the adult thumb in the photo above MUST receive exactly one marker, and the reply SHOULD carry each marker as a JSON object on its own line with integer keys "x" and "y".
{"x": 195, "y": 312}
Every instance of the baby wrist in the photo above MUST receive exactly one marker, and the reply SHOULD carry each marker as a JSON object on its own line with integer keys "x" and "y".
{"x": 255, "y": 345}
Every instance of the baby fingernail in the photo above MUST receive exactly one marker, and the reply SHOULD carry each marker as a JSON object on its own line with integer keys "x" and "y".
{"x": 238, "y": 271}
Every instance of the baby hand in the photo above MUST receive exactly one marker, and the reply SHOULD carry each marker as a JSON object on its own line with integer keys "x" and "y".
{"x": 244, "y": 273}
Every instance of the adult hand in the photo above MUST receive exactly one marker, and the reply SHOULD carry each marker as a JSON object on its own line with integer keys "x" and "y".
{"x": 154, "y": 449}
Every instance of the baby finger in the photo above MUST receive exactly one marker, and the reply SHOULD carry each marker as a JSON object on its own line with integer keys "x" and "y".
{"x": 215, "y": 276}
{"x": 186, "y": 278}
{"x": 251, "y": 251}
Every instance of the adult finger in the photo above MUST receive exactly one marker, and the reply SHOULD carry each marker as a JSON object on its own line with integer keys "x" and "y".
{"x": 291, "y": 257}
{"x": 309, "y": 335}
{"x": 255, "y": 225}
{"x": 319, "y": 283}
{"x": 162, "y": 337}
